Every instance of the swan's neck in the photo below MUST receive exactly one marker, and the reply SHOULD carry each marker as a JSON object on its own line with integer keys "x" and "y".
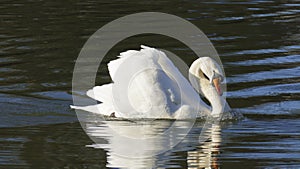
{"x": 209, "y": 92}
{"x": 202, "y": 86}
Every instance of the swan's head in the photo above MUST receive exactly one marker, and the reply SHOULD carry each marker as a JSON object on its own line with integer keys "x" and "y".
{"x": 205, "y": 73}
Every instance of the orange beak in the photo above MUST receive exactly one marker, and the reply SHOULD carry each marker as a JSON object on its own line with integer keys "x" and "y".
{"x": 216, "y": 82}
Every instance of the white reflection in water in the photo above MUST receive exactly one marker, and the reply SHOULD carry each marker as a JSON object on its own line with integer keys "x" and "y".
{"x": 141, "y": 144}
{"x": 205, "y": 156}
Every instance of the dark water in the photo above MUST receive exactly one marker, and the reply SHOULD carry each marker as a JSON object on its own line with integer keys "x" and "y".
{"x": 258, "y": 43}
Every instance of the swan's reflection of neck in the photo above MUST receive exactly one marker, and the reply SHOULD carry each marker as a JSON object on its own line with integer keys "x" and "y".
{"x": 206, "y": 154}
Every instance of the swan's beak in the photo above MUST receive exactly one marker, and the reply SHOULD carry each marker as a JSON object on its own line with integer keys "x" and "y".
{"x": 216, "y": 82}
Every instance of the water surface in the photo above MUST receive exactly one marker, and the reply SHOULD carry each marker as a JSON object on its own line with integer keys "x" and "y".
{"x": 258, "y": 43}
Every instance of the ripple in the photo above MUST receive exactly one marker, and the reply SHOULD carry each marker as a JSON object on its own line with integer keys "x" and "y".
{"x": 236, "y": 18}
{"x": 226, "y": 38}
{"x": 281, "y": 14}
{"x": 255, "y": 9}
{"x": 268, "y": 61}
{"x": 255, "y": 52}
{"x": 16, "y": 87}
{"x": 61, "y": 95}
{"x": 28, "y": 111}
{"x": 264, "y": 15}
{"x": 281, "y": 49}
{"x": 274, "y": 108}
{"x": 265, "y": 75}
{"x": 8, "y": 60}
{"x": 291, "y": 5}
{"x": 271, "y": 90}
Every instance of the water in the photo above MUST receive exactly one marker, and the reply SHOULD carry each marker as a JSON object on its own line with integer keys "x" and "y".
{"x": 258, "y": 43}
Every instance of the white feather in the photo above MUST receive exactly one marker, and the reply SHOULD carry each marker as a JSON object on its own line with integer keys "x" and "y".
{"x": 101, "y": 93}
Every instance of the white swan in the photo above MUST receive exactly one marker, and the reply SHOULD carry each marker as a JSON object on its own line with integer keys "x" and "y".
{"x": 146, "y": 84}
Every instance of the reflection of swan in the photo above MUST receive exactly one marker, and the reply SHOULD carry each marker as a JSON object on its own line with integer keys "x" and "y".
{"x": 145, "y": 144}
{"x": 148, "y": 85}
{"x": 206, "y": 154}
{"x": 136, "y": 144}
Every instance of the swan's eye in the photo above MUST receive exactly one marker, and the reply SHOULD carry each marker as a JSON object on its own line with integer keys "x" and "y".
{"x": 205, "y": 76}
{"x": 221, "y": 78}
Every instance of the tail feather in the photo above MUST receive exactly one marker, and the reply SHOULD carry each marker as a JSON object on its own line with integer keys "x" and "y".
{"x": 101, "y": 93}
{"x": 102, "y": 108}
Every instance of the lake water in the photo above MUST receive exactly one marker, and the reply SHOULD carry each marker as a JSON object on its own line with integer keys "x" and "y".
{"x": 258, "y": 43}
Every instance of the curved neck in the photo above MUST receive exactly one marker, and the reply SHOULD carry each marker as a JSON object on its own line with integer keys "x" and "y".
{"x": 202, "y": 86}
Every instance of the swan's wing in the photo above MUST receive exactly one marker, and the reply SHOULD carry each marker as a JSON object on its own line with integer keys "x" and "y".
{"x": 187, "y": 92}
{"x": 188, "y": 96}
{"x": 168, "y": 71}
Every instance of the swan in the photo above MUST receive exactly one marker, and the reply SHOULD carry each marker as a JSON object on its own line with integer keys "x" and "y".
{"x": 146, "y": 84}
